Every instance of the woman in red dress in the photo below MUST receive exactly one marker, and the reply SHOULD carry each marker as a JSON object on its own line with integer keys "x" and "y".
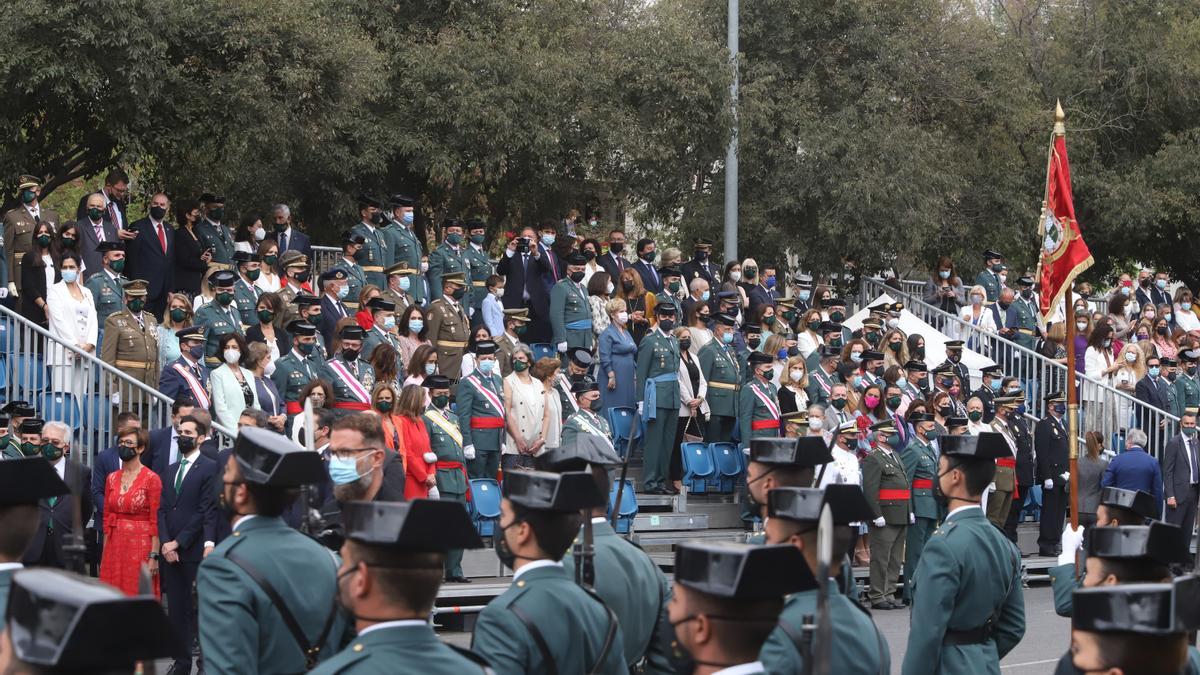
{"x": 420, "y": 469}
{"x": 131, "y": 496}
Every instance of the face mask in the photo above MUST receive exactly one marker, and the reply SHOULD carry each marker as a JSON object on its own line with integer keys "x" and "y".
{"x": 350, "y": 354}
{"x": 232, "y": 356}
{"x": 503, "y": 551}
{"x": 126, "y": 453}
{"x": 520, "y": 366}
{"x": 416, "y": 325}
{"x": 306, "y": 348}
{"x": 253, "y": 275}
{"x": 51, "y": 453}
{"x": 314, "y": 318}
{"x": 186, "y": 444}
{"x": 1167, "y": 316}
{"x": 705, "y": 296}
{"x": 407, "y": 218}
{"x": 727, "y": 338}
{"x": 893, "y": 402}
{"x": 944, "y": 274}
{"x": 70, "y": 276}
{"x": 616, "y": 246}
{"x": 1161, "y": 283}
{"x": 405, "y": 283}
{"x": 225, "y": 298}
{"x": 976, "y": 299}
{"x": 576, "y": 276}
{"x": 385, "y": 406}
{"x": 196, "y": 351}
{"x": 28, "y": 196}
{"x": 303, "y": 277}
{"x": 953, "y": 357}
{"x": 454, "y": 239}
{"x": 548, "y": 240}
{"x": 918, "y": 353}
{"x": 770, "y": 282}
{"x": 1081, "y": 326}
{"x": 837, "y": 315}
{"x": 665, "y": 325}
{"x": 343, "y": 291}
{"x": 1171, "y": 376}
{"x": 1021, "y": 409}
{"x": 878, "y": 371}
{"x": 1161, "y": 330}
{"x": 486, "y": 367}
{"x": 499, "y": 292}
{"x": 674, "y": 286}
{"x": 838, "y": 403}
{"x": 1191, "y": 370}
{"x": 136, "y": 306}
{"x": 441, "y": 401}
{"x": 895, "y": 346}
{"x": 1141, "y": 337}
{"x": 31, "y": 449}
{"x": 1060, "y": 408}
{"x": 1190, "y": 431}
{"x": 685, "y": 345}
{"x": 857, "y": 381}
{"x": 995, "y": 385}
{"x": 796, "y": 374}
{"x": 43, "y": 240}
{"x": 735, "y": 276}
{"x": 770, "y": 320}
{"x": 1026, "y": 293}
{"x": 270, "y": 260}
{"x": 946, "y": 411}
{"x": 389, "y": 323}
{"x": 97, "y": 214}
{"x": 178, "y": 314}
{"x": 975, "y": 415}
{"x": 871, "y": 401}
{"x": 998, "y": 268}
{"x": 216, "y": 215}
{"x": 430, "y": 368}
{"x": 458, "y": 293}
{"x": 265, "y": 315}
{"x": 477, "y": 239}
{"x": 753, "y": 341}
{"x": 1003, "y": 305}
{"x": 856, "y": 357}
{"x": 594, "y": 405}
{"x": 648, "y": 257}
{"x": 343, "y": 471}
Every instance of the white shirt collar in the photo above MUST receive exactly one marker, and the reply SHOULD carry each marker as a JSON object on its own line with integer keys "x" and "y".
{"x": 191, "y": 456}
{"x": 392, "y": 624}
{"x": 743, "y": 669}
{"x": 475, "y": 246}
{"x": 242, "y": 519}
{"x": 4, "y": 567}
{"x": 212, "y": 222}
{"x": 599, "y": 520}
{"x": 963, "y": 508}
{"x": 536, "y": 564}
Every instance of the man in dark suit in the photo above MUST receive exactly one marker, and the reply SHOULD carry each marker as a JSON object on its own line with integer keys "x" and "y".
{"x": 1152, "y": 390}
{"x": 556, "y": 268}
{"x": 187, "y": 530}
{"x": 1181, "y": 474}
{"x": 163, "y": 450}
{"x": 151, "y": 254}
{"x": 614, "y": 262}
{"x": 288, "y": 237}
{"x": 647, "y": 253}
{"x": 522, "y": 267}
{"x": 701, "y": 265}
{"x": 763, "y": 292}
{"x": 94, "y": 227}
{"x": 332, "y": 282}
{"x": 114, "y": 196}
{"x": 57, "y": 515}
{"x": 1050, "y": 442}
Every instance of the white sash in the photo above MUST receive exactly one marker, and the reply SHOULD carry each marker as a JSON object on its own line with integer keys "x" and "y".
{"x": 586, "y": 423}
{"x": 197, "y": 388}
{"x": 350, "y": 381}
{"x": 562, "y": 380}
{"x": 766, "y": 400}
{"x": 487, "y": 393}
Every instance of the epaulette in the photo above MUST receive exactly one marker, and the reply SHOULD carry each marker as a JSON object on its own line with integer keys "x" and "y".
{"x": 945, "y": 528}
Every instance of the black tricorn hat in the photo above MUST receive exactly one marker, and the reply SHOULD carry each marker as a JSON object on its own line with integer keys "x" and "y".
{"x": 544, "y": 491}
{"x": 426, "y": 525}
{"x": 808, "y": 451}
{"x": 742, "y": 571}
{"x": 270, "y": 459}
{"x": 1157, "y": 542}
{"x": 1147, "y": 609}
{"x": 847, "y": 503}
{"x": 28, "y": 480}
{"x": 1139, "y": 501}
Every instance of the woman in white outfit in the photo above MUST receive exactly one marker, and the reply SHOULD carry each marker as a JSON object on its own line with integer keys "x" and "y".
{"x": 72, "y": 319}
{"x": 525, "y": 412}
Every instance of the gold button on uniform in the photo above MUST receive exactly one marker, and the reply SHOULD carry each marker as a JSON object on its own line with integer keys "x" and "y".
{"x": 358, "y": 647}
{"x": 520, "y": 584}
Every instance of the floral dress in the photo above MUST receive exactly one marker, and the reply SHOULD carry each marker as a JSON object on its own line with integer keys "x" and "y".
{"x": 130, "y": 524}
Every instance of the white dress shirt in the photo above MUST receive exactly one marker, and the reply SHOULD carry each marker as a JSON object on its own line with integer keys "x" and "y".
{"x": 533, "y": 566}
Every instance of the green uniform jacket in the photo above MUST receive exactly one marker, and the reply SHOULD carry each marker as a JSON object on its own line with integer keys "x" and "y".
{"x": 670, "y": 299}
{"x": 884, "y": 471}
{"x": 572, "y": 623}
{"x": 473, "y": 403}
{"x": 920, "y": 461}
{"x": 636, "y": 591}
{"x": 720, "y": 367}
{"x": 1063, "y": 581}
{"x": 292, "y": 373}
{"x": 398, "y": 649}
{"x": 858, "y": 646}
{"x": 377, "y": 336}
{"x": 407, "y": 247}
{"x": 969, "y": 572}
{"x": 240, "y": 630}
{"x": 751, "y": 408}
{"x": 1022, "y": 319}
{"x": 569, "y": 303}
{"x": 991, "y": 284}
{"x": 819, "y": 385}
{"x": 357, "y": 279}
{"x": 587, "y": 423}
{"x": 108, "y": 294}
{"x": 216, "y": 321}
{"x": 342, "y": 391}
{"x": 1187, "y": 393}
{"x": 657, "y": 355}
{"x": 217, "y": 237}
{"x": 9, "y": 449}
{"x": 246, "y": 296}
{"x": 481, "y": 269}
{"x": 443, "y": 260}
{"x": 375, "y": 256}
{"x": 448, "y": 449}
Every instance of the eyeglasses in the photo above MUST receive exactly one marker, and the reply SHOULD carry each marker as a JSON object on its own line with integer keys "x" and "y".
{"x": 346, "y": 453}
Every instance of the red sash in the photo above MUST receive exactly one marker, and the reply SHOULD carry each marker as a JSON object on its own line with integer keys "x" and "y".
{"x": 198, "y": 393}
{"x": 489, "y": 395}
{"x": 294, "y": 408}
{"x": 352, "y": 405}
{"x": 922, "y": 484}
{"x": 487, "y": 422}
{"x": 771, "y": 405}
{"x": 456, "y": 465}
{"x": 759, "y": 425}
{"x": 1011, "y": 463}
{"x": 894, "y": 495}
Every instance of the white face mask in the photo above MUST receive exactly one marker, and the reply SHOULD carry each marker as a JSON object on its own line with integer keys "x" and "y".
{"x": 498, "y": 292}
{"x": 815, "y": 423}
{"x": 622, "y": 318}
{"x": 611, "y": 288}
{"x": 260, "y": 234}
{"x": 797, "y": 374}
{"x": 976, "y": 299}
{"x": 269, "y": 369}
{"x": 1131, "y": 357}
{"x": 232, "y": 356}
{"x": 735, "y": 275}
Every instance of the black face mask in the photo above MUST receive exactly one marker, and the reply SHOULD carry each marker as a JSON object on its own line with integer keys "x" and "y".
{"x": 753, "y": 342}
{"x": 185, "y": 443}
{"x": 503, "y": 551}
{"x": 126, "y": 453}
{"x": 158, "y": 213}
{"x": 1004, "y": 305}
{"x": 918, "y": 354}
{"x": 350, "y": 355}
{"x": 685, "y": 345}
{"x": 627, "y": 286}
{"x": 616, "y": 247}
{"x": 576, "y": 276}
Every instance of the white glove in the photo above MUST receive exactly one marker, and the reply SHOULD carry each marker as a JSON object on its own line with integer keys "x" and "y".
{"x": 641, "y": 407}
{"x": 1072, "y": 541}
{"x": 991, "y": 487}
{"x": 1066, "y": 476}
{"x": 12, "y": 289}
{"x": 879, "y": 522}
{"x": 1048, "y": 485}
{"x": 471, "y": 311}
{"x": 562, "y": 346}
{"x": 912, "y": 518}
{"x": 434, "y": 494}
{"x": 430, "y": 457}
{"x": 3, "y": 292}
{"x": 469, "y": 452}
{"x": 116, "y": 398}
{"x": 746, "y": 450}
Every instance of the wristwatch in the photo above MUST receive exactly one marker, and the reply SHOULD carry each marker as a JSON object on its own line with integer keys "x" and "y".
{"x": 155, "y": 555}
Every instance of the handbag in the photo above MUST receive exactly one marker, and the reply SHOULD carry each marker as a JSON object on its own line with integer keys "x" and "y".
{"x": 690, "y": 436}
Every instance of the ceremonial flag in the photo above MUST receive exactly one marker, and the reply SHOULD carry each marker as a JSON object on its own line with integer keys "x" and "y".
{"x": 1064, "y": 253}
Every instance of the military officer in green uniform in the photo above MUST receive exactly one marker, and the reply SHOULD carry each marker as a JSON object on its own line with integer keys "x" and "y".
{"x": 375, "y": 255}
{"x": 622, "y": 574}
{"x": 822, "y": 378}
{"x": 968, "y": 609}
{"x": 449, "y": 258}
{"x": 243, "y": 628}
{"x": 1170, "y": 371}
{"x": 586, "y": 421}
{"x": 886, "y": 485}
{"x": 920, "y": 463}
{"x": 308, "y": 309}
{"x": 446, "y": 444}
{"x": 352, "y": 245}
{"x": 671, "y": 284}
{"x": 1022, "y": 315}
{"x": 294, "y": 370}
{"x": 545, "y": 622}
{"x": 212, "y": 232}
{"x": 1187, "y": 384}
{"x": 383, "y": 330}
{"x": 782, "y": 462}
{"x": 858, "y": 646}
{"x": 107, "y": 285}
{"x": 480, "y": 267}
{"x": 131, "y": 337}
{"x": 19, "y": 412}
{"x": 406, "y": 245}
{"x": 758, "y": 402}
{"x": 352, "y": 377}
{"x": 831, "y": 335}
{"x": 727, "y": 599}
{"x": 9, "y": 447}
{"x": 392, "y": 562}
{"x": 515, "y": 322}
{"x": 1003, "y": 489}
{"x": 217, "y": 317}
{"x": 570, "y": 311}
{"x": 24, "y": 482}
{"x": 656, "y": 385}
{"x": 447, "y": 324}
{"x": 245, "y": 293}
{"x": 400, "y": 284}
{"x": 294, "y": 266}
{"x": 989, "y": 276}
{"x": 722, "y": 369}
{"x": 480, "y": 406}
{"x": 1136, "y": 628}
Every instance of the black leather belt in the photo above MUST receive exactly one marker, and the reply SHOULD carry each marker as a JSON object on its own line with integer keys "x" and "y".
{"x": 971, "y": 636}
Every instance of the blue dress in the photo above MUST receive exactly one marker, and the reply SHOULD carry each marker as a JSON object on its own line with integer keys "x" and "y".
{"x": 618, "y": 354}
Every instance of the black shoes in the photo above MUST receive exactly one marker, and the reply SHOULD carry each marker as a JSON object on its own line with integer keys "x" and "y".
{"x": 457, "y": 580}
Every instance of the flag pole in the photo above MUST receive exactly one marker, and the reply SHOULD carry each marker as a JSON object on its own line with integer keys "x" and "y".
{"x": 1060, "y": 130}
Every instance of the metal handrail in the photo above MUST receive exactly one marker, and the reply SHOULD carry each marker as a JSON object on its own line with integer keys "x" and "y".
{"x": 90, "y": 381}
{"x": 324, "y": 259}
{"x": 1103, "y": 408}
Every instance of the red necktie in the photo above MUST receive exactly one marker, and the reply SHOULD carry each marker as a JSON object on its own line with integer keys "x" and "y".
{"x": 162, "y": 237}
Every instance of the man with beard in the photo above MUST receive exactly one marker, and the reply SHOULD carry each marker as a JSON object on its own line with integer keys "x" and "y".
{"x": 361, "y": 468}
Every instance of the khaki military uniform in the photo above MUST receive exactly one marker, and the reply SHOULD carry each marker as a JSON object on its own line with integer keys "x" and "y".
{"x": 18, "y": 229}
{"x": 401, "y": 300}
{"x": 1000, "y": 501}
{"x": 505, "y": 348}
{"x": 448, "y": 331}
{"x": 886, "y": 487}
{"x": 132, "y": 346}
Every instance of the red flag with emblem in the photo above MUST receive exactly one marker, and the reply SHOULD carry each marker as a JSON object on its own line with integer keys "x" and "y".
{"x": 1064, "y": 253}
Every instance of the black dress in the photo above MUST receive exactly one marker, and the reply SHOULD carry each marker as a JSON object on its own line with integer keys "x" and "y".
{"x": 189, "y": 268}
{"x": 33, "y": 286}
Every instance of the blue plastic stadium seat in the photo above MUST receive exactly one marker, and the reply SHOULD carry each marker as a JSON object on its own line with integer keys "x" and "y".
{"x": 61, "y": 407}
{"x": 1031, "y": 509}
{"x": 698, "y": 467}
{"x": 28, "y": 375}
{"x": 621, "y": 421}
{"x": 485, "y": 505}
{"x": 629, "y": 506}
{"x": 728, "y": 460}
{"x": 543, "y": 350}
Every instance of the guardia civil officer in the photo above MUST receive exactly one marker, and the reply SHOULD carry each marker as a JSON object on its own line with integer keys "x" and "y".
{"x": 657, "y": 391}
{"x": 1135, "y": 628}
{"x": 920, "y": 463}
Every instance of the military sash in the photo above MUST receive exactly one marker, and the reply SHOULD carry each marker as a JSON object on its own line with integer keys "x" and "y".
{"x": 198, "y": 393}
{"x": 589, "y": 427}
{"x": 566, "y": 386}
{"x": 772, "y": 407}
{"x": 360, "y": 392}
{"x": 434, "y": 415}
{"x": 487, "y": 394}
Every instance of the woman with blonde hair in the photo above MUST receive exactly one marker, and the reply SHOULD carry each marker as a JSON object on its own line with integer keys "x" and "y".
{"x": 1132, "y": 360}
{"x": 976, "y": 313}
{"x": 775, "y": 346}
{"x": 178, "y": 314}
{"x": 895, "y": 348}
{"x": 793, "y": 395}
{"x": 206, "y": 294}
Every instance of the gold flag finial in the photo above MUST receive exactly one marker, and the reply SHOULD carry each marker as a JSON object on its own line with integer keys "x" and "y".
{"x": 1060, "y": 128}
